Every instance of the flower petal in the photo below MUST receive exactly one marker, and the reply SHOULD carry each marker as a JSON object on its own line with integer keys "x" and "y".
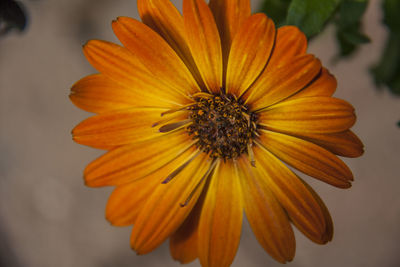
{"x": 308, "y": 158}
{"x": 125, "y": 69}
{"x": 328, "y": 219}
{"x": 163, "y": 214}
{"x": 280, "y": 82}
{"x": 324, "y": 85}
{"x": 229, "y": 16}
{"x": 155, "y": 54}
{"x": 249, "y": 53}
{"x": 118, "y": 128}
{"x": 268, "y": 220}
{"x": 309, "y": 115}
{"x": 165, "y": 19}
{"x": 345, "y": 144}
{"x": 127, "y": 200}
{"x": 98, "y": 93}
{"x": 131, "y": 162}
{"x": 290, "y": 42}
{"x": 300, "y": 204}
{"x": 183, "y": 243}
{"x": 221, "y": 218}
{"x": 204, "y": 42}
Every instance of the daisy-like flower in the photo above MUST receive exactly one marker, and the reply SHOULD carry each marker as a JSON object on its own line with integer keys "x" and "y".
{"x": 202, "y": 116}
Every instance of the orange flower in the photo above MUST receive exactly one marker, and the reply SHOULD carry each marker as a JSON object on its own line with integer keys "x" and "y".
{"x": 198, "y": 113}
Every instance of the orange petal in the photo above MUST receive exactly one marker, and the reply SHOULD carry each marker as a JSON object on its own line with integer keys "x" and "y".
{"x": 290, "y": 42}
{"x": 308, "y": 158}
{"x": 125, "y": 69}
{"x": 301, "y": 205}
{"x": 127, "y": 200}
{"x": 204, "y": 42}
{"x": 155, "y": 54}
{"x": 229, "y": 16}
{"x": 98, "y": 93}
{"x": 131, "y": 162}
{"x": 345, "y": 144}
{"x": 328, "y": 235}
{"x": 249, "y": 53}
{"x": 183, "y": 243}
{"x": 118, "y": 128}
{"x": 268, "y": 220}
{"x": 163, "y": 214}
{"x": 165, "y": 19}
{"x": 276, "y": 84}
{"x": 309, "y": 115}
{"x": 221, "y": 218}
{"x": 324, "y": 85}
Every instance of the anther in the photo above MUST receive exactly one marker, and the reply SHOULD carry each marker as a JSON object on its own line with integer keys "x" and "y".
{"x": 185, "y": 107}
{"x": 210, "y": 169}
{"x": 179, "y": 169}
{"x": 251, "y": 154}
{"x": 173, "y": 126}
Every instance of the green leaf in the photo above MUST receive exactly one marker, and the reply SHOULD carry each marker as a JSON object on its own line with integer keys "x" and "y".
{"x": 353, "y": 36}
{"x": 276, "y": 10}
{"x": 391, "y": 9}
{"x": 387, "y": 71}
{"x": 351, "y": 12}
{"x": 348, "y": 26}
{"x": 311, "y": 15}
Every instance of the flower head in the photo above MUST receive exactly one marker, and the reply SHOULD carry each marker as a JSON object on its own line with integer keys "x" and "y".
{"x": 201, "y": 114}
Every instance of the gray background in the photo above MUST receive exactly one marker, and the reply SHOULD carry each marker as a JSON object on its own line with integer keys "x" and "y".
{"x": 49, "y": 218}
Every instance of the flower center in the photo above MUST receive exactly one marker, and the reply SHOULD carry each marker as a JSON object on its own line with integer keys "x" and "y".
{"x": 223, "y": 126}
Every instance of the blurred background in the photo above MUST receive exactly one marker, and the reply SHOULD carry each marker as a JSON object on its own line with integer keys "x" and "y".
{"x": 49, "y": 218}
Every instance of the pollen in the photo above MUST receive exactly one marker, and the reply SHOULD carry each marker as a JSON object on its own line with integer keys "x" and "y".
{"x": 223, "y": 126}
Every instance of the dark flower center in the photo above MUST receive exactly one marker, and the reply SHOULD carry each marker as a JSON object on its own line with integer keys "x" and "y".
{"x": 223, "y": 126}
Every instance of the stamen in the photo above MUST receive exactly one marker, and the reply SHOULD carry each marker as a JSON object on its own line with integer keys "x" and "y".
{"x": 259, "y": 144}
{"x": 202, "y": 95}
{"x": 223, "y": 90}
{"x": 179, "y": 169}
{"x": 177, "y": 109}
{"x": 254, "y": 124}
{"x": 251, "y": 154}
{"x": 261, "y": 126}
{"x": 173, "y": 126}
{"x": 166, "y": 119}
{"x": 210, "y": 169}
{"x": 247, "y": 118}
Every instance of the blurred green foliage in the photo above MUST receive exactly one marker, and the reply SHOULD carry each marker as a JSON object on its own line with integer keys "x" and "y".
{"x": 348, "y": 25}
{"x": 311, "y": 16}
{"x": 387, "y": 71}
{"x": 276, "y": 10}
